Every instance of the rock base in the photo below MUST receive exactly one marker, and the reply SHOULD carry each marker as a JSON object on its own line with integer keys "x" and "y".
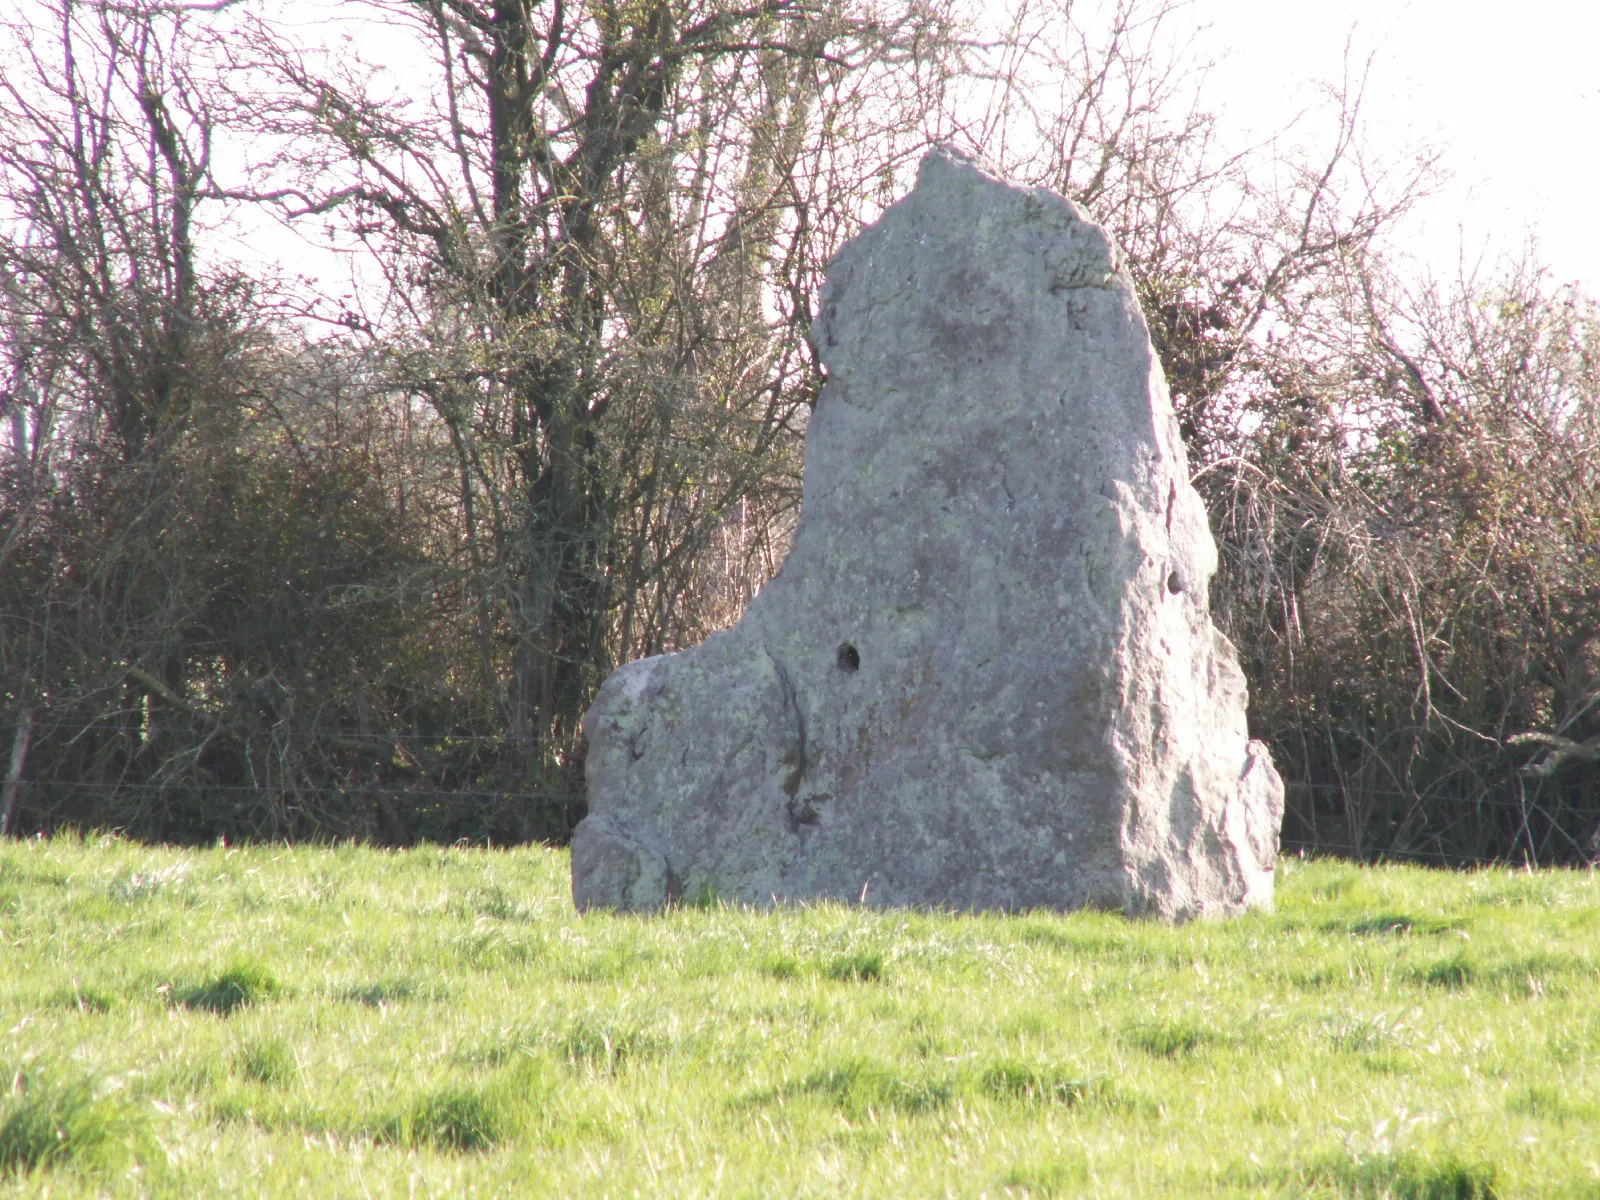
{"x": 986, "y": 677}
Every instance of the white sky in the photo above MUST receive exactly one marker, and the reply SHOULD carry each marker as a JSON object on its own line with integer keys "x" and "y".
{"x": 1509, "y": 91}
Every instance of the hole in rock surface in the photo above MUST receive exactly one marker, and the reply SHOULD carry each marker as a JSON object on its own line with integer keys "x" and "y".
{"x": 849, "y": 658}
{"x": 1174, "y": 584}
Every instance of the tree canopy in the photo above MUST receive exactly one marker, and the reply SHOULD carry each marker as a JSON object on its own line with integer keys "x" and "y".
{"x": 279, "y": 563}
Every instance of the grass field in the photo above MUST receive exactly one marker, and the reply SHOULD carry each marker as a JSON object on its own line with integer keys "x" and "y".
{"x": 350, "y": 1022}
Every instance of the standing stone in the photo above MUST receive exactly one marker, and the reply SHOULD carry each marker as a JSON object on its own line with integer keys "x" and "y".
{"x": 986, "y": 677}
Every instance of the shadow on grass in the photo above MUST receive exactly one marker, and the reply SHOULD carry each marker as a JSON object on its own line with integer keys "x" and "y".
{"x": 1130, "y": 945}
{"x": 1552, "y": 1104}
{"x": 380, "y": 994}
{"x": 1394, "y": 924}
{"x": 1407, "y": 1175}
{"x": 1046, "y": 1179}
{"x": 465, "y": 1117}
{"x": 1530, "y": 975}
{"x": 45, "y": 1124}
{"x": 858, "y": 1086}
{"x": 493, "y": 948}
{"x": 611, "y": 964}
{"x": 1355, "y": 1034}
{"x": 856, "y": 967}
{"x": 268, "y": 1061}
{"x": 83, "y": 999}
{"x": 241, "y": 985}
{"x": 592, "y": 1042}
{"x": 1173, "y": 1039}
{"x": 1012, "y": 1080}
{"x": 607, "y": 1047}
{"x": 459, "y": 1119}
{"x": 494, "y": 902}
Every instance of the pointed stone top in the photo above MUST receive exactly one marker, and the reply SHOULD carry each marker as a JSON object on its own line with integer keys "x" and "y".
{"x": 986, "y": 676}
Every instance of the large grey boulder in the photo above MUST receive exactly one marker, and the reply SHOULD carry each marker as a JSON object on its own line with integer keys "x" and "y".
{"x": 986, "y": 676}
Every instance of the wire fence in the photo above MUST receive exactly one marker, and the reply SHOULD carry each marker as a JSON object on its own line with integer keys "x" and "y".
{"x": 134, "y": 723}
{"x": 157, "y": 787}
{"x": 387, "y": 814}
{"x": 197, "y": 776}
{"x": 1537, "y": 828}
{"x": 1332, "y": 849}
{"x": 1533, "y": 828}
{"x": 1483, "y": 801}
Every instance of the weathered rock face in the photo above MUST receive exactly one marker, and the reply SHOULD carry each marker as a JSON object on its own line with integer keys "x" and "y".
{"x": 986, "y": 676}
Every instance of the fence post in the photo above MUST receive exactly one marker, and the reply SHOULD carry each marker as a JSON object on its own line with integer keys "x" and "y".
{"x": 19, "y": 758}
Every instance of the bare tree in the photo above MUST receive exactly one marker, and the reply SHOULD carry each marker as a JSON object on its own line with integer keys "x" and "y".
{"x": 602, "y": 225}
{"x": 365, "y": 583}
{"x": 1408, "y": 566}
{"x": 1399, "y": 472}
{"x": 200, "y": 572}
{"x": 104, "y": 144}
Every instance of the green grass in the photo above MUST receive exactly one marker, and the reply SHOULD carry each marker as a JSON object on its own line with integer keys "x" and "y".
{"x": 46, "y": 1123}
{"x": 349, "y": 1022}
